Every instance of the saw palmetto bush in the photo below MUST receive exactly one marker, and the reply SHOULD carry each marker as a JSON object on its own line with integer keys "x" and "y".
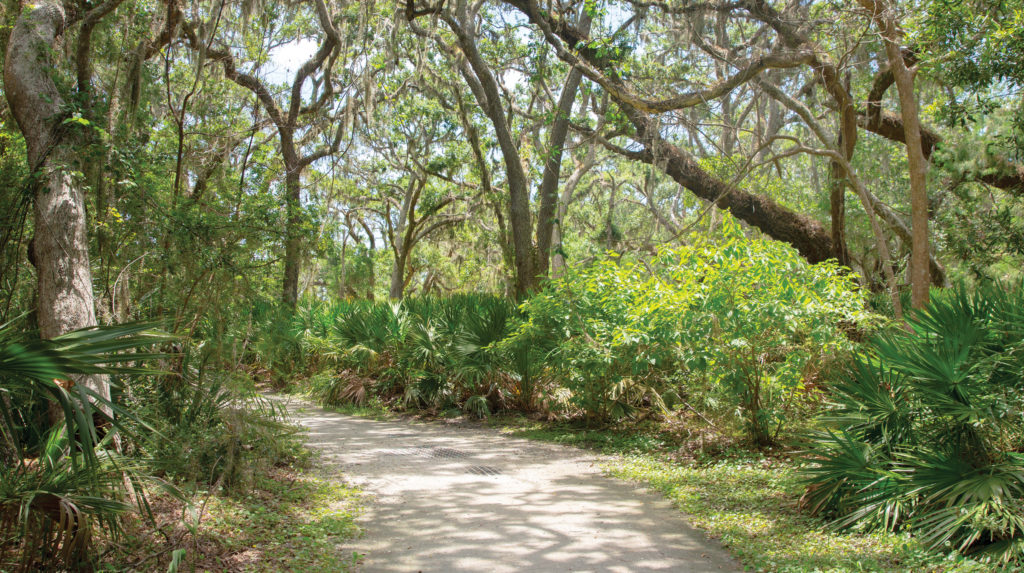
{"x": 61, "y": 480}
{"x": 453, "y": 352}
{"x": 370, "y": 336}
{"x": 277, "y": 341}
{"x": 50, "y": 505}
{"x": 433, "y": 352}
{"x": 928, "y": 428}
{"x": 492, "y": 378}
{"x": 344, "y": 344}
{"x": 425, "y": 360}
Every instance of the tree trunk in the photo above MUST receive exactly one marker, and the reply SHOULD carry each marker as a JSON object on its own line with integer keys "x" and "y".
{"x": 884, "y": 257}
{"x": 552, "y": 170}
{"x": 60, "y": 248}
{"x": 397, "y": 289}
{"x": 548, "y": 191}
{"x": 519, "y": 208}
{"x": 837, "y": 204}
{"x": 293, "y": 236}
{"x": 558, "y": 256}
{"x": 884, "y": 18}
{"x": 485, "y": 89}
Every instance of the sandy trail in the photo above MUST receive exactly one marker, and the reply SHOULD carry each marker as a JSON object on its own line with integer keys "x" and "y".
{"x": 450, "y": 498}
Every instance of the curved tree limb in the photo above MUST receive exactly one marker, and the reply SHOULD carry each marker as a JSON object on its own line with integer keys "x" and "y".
{"x": 809, "y": 237}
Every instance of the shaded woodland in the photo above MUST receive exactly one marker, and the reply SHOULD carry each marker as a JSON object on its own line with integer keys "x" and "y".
{"x": 792, "y": 226}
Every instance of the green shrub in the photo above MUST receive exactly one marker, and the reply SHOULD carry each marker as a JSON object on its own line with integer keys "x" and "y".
{"x": 56, "y": 490}
{"x": 742, "y": 321}
{"x": 50, "y": 506}
{"x": 335, "y": 389}
{"x": 277, "y": 346}
{"x": 433, "y": 352}
{"x": 928, "y": 429}
{"x": 211, "y": 429}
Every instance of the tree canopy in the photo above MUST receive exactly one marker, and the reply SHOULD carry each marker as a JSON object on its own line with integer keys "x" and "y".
{"x": 223, "y": 148}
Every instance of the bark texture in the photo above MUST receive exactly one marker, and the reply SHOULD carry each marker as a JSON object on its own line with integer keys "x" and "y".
{"x": 548, "y": 190}
{"x": 847, "y": 143}
{"x": 60, "y": 245}
{"x": 293, "y": 235}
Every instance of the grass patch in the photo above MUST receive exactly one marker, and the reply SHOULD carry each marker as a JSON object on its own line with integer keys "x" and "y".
{"x": 290, "y": 523}
{"x": 751, "y": 506}
{"x": 646, "y": 438}
{"x": 292, "y": 519}
{"x": 372, "y": 409}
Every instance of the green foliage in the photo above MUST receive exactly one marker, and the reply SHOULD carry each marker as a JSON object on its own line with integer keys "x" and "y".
{"x": 420, "y": 352}
{"x": 928, "y": 429}
{"x": 277, "y": 345}
{"x": 15, "y": 195}
{"x": 747, "y": 321}
{"x": 291, "y": 520}
{"x": 54, "y": 491}
{"x": 984, "y": 231}
{"x": 50, "y": 506}
{"x": 211, "y": 430}
{"x": 751, "y": 505}
{"x": 57, "y": 485}
{"x": 977, "y": 42}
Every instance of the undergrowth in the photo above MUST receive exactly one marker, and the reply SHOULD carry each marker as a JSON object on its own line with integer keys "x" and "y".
{"x": 292, "y": 519}
{"x": 752, "y": 506}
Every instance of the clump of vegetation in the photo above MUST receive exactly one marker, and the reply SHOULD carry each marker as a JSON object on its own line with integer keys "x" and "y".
{"x": 732, "y": 324}
{"x": 79, "y": 468}
{"x": 435, "y": 353}
{"x": 289, "y": 518}
{"x": 750, "y": 503}
{"x": 62, "y": 485}
{"x": 927, "y": 429}
{"x": 213, "y": 430}
{"x": 742, "y": 323}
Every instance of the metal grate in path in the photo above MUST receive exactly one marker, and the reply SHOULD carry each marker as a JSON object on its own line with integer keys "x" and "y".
{"x": 447, "y": 453}
{"x": 484, "y": 470}
{"x": 426, "y": 452}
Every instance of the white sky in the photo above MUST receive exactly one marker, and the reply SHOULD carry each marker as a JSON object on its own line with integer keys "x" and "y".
{"x": 285, "y": 60}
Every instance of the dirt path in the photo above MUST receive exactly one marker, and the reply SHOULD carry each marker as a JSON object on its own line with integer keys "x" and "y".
{"x": 449, "y": 498}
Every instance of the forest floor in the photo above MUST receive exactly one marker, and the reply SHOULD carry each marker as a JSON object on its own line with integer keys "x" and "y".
{"x": 288, "y": 518}
{"x": 453, "y": 497}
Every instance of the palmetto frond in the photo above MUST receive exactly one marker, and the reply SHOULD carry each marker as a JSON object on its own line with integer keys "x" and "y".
{"x": 53, "y": 500}
{"x": 925, "y": 417}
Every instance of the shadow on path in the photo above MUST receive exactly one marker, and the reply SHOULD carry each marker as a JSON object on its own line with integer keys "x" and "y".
{"x": 466, "y": 499}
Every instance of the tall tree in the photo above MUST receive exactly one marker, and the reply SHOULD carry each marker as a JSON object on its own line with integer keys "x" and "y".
{"x": 286, "y": 120}
{"x": 531, "y": 255}
{"x": 886, "y": 20}
{"x": 60, "y": 247}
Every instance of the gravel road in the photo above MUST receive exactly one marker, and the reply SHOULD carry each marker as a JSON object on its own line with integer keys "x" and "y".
{"x": 449, "y": 498}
